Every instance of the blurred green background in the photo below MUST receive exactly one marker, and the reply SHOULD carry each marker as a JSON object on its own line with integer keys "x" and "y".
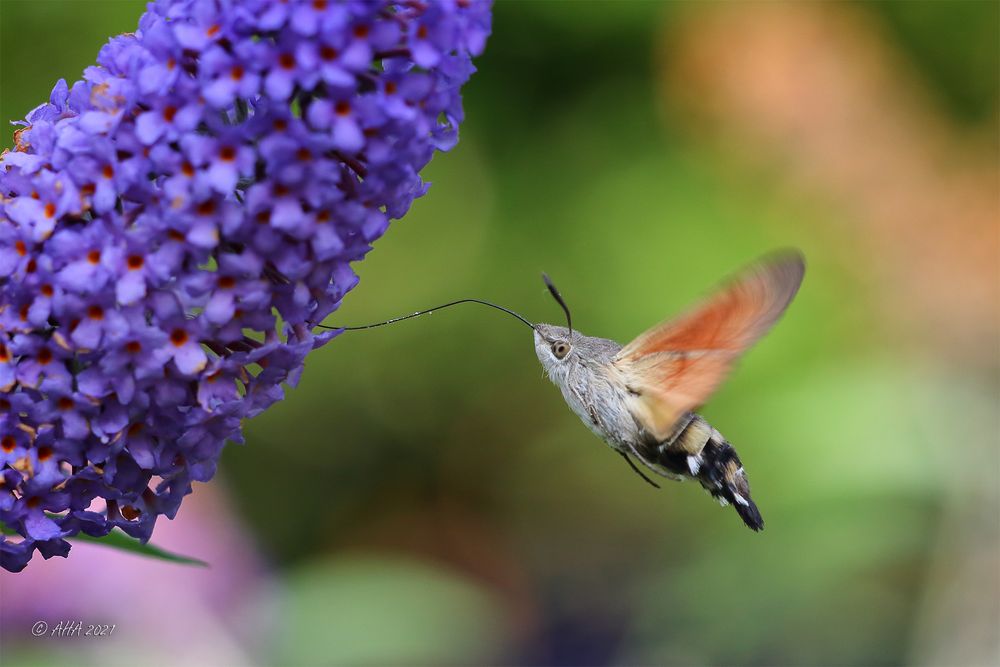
{"x": 426, "y": 497}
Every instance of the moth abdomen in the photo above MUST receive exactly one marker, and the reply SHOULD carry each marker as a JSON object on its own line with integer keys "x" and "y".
{"x": 681, "y": 453}
{"x": 696, "y": 450}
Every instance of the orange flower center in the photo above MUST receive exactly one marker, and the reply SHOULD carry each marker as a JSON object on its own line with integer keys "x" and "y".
{"x": 178, "y": 337}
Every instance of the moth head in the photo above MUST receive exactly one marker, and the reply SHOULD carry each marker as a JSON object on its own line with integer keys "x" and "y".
{"x": 554, "y": 347}
{"x": 553, "y": 344}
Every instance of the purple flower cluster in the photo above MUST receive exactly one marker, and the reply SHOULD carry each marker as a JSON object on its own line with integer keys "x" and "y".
{"x": 174, "y": 225}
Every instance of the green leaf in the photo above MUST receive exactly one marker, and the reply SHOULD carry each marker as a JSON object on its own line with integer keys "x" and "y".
{"x": 119, "y": 540}
{"x": 116, "y": 539}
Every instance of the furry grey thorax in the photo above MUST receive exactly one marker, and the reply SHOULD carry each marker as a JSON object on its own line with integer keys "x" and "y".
{"x": 584, "y": 378}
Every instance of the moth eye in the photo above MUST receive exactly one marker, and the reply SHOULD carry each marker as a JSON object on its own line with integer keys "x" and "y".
{"x": 560, "y": 349}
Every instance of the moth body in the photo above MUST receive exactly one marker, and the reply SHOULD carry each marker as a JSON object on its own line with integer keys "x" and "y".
{"x": 598, "y": 394}
{"x": 640, "y": 398}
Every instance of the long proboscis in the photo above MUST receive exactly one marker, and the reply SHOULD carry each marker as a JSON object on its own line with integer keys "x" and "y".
{"x": 431, "y": 310}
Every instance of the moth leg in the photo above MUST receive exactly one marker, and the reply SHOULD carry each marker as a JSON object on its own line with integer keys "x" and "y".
{"x": 637, "y": 471}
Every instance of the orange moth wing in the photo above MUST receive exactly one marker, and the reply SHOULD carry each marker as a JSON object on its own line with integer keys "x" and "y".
{"x": 675, "y": 366}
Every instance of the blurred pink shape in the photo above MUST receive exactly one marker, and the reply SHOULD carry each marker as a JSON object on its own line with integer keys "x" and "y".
{"x": 163, "y": 611}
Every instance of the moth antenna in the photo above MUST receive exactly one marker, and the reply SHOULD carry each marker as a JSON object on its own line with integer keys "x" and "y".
{"x": 558, "y": 297}
{"x": 428, "y": 311}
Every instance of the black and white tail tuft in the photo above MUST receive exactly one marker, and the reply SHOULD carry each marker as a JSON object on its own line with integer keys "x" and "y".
{"x": 722, "y": 475}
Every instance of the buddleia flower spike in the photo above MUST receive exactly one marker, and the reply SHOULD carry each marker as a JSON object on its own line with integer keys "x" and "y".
{"x": 174, "y": 225}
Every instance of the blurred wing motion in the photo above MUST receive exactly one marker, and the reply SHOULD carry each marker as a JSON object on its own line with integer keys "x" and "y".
{"x": 675, "y": 366}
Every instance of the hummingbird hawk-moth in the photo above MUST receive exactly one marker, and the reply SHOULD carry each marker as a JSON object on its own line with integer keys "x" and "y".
{"x": 640, "y": 398}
